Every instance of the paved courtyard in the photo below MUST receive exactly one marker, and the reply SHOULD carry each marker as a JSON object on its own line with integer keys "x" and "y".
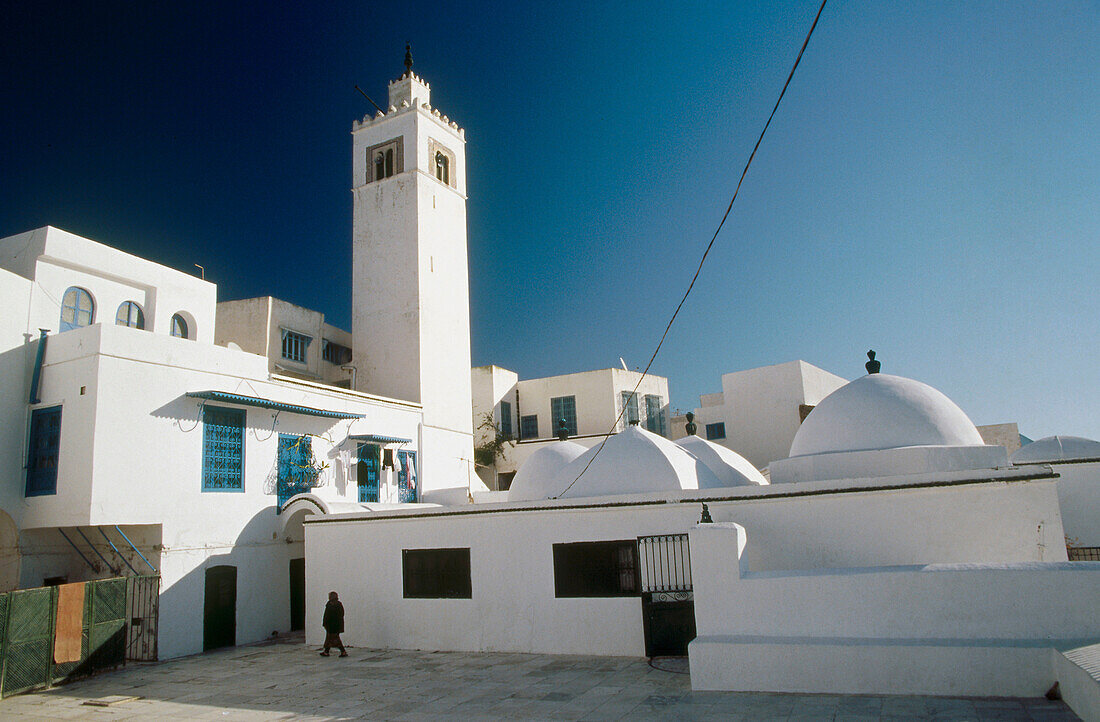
{"x": 288, "y": 680}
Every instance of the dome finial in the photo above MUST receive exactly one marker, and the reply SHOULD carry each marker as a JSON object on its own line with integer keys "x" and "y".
{"x": 408, "y": 59}
{"x": 563, "y": 429}
{"x": 872, "y": 365}
{"x": 690, "y": 426}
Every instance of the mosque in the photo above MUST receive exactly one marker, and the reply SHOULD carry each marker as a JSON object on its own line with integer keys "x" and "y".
{"x": 253, "y": 458}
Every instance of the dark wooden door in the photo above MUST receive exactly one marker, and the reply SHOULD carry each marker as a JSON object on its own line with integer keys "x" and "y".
{"x": 669, "y": 625}
{"x": 219, "y": 628}
{"x": 297, "y": 594}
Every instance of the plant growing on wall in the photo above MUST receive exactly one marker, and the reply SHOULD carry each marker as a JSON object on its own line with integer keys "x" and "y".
{"x": 493, "y": 448}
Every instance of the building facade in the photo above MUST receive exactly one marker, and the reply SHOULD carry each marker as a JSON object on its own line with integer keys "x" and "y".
{"x": 530, "y": 411}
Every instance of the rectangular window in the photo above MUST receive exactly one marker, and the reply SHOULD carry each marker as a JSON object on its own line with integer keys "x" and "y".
{"x": 563, "y": 407}
{"x": 716, "y": 431}
{"x": 43, "y": 451}
{"x": 655, "y": 415}
{"x": 406, "y": 477}
{"x": 295, "y": 346}
{"x": 436, "y": 573}
{"x": 596, "y": 569}
{"x": 529, "y": 427}
{"x": 628, "y": 401}
{"x": 334, "y": 353}
{"x": 370, "y": 458}
{"x": 222, "y": 448}
{"x": 506, "y": 419}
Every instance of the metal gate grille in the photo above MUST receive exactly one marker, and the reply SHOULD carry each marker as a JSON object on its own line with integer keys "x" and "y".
{"x": 665, "y": 563}
{"x": 141, "y": 645}
{"x": 27, "y": 626}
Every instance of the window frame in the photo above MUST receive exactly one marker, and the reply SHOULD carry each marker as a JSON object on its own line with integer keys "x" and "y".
{"x": 658, "y": 425}
{"x": 78, "y": 293}
{"x": 628, "y": 403}
{"x": 437, "y": 151}
{"x": 335, "y": 353}
{"x": 232, "y": 480}
{"x": 428, "y": 582}
{"x": 571, "y": 577}
{"x": 130, "y": 307}
{"x": 293, "y": 343}
{"x": 393, "y": 159}
{"x": 715, "y": 431}
{"x": 570, "y": 417}
{"x": 42, "y": 481}
{"x": 523, "y": 428}
{"x": 506, "y": 419}
{"x": 178, "y": 321}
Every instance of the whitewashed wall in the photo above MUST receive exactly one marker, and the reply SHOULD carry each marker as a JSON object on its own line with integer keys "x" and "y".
{"x": 513, "y": 607}
{"x": 949, "y": 629}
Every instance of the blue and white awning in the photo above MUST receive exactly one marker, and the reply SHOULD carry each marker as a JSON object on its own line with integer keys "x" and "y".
{"x": 228, "y": 398}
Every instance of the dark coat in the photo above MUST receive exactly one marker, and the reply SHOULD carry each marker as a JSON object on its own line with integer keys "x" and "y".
{"x": 333, "y": 621}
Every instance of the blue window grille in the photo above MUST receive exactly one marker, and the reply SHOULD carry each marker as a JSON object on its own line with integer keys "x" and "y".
{"x": 130, "y": 314}
{"x": 295, "y": 346}
{"x": 564, "y": 407}
{"x": 369, "y": 456}
{"x": 179, "y": 326}
{"x": 407, "y": 479}
{"x": 506, "y": 419}
{"x": 77, "y": 309}
{"x": 43, "y": 452}
{"x": 222, "y": 448}
{"x": 655, "y": 415}
{"x": 529, "y": 427}
{"x": 297, "y": 473}
{"x": 716, "y": 431}
{"x": 629, "y": 401}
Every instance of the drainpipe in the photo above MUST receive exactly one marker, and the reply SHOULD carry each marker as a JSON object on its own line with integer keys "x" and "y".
{"x": 37, "y": 377}
{"x": 352, "y": 370}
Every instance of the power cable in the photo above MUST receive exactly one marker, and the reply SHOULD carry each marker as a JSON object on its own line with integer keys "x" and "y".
{"x": 703, "y": 260}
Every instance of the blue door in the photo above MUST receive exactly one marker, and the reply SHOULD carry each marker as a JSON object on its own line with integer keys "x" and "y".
{"x": 368, "y": 466}
{"x": 407, "y": 480}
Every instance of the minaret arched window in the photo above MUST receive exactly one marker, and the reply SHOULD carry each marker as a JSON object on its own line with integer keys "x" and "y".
{"x": 442, "y": 168}
{"x": 77, "y": 309}
{"x": 384, "y": 160}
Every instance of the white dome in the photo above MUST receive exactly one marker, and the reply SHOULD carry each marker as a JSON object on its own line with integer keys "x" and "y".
{"x": 634, "y": 461}
{"x": 731, "y": 468}
{"x": 879, "y": 411}
{"x": 1055, "y": 449}
{"x": 532, "y": 481}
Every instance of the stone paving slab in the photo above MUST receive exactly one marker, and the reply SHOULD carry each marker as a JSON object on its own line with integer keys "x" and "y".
{"x": 288, "y": 680}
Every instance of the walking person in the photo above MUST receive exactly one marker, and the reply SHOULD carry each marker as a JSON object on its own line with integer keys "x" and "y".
{"x": 333, "y": 622}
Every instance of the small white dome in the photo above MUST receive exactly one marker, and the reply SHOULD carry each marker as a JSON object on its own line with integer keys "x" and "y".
{"x": 1057, "y": 449}
{"x": 879, "y": 411}
{"x": 532, "y": 481}
{"x": 731, "y": 468}
{"x": 633, "y": 461}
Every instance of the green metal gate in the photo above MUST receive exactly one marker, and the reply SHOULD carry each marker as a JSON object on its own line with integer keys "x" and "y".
{"x": 27, "y": 624}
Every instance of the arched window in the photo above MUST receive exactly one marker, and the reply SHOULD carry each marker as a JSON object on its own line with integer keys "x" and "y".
{"x": 384, "y": 160}
{"x": 389, "y": 162}
{"x": 179, "y": 327}
{"x": 77, "y": 309}
{"x": 442, "y": 168}
{"x": 130, "y": 314}
{"x": 380, "y": 166}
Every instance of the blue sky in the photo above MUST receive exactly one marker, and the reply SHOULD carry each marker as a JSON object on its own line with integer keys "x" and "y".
{"x": 929, "y": 187}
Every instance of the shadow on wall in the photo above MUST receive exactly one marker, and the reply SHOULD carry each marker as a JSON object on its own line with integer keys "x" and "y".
{"x": 9, "y": 553}
{"x": 233, "y": 593}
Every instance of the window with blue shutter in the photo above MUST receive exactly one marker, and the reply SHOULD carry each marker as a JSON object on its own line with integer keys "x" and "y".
{"x": 42, "y": 456}
{"x": 529, "y": 427}
{"x": 506, "y": 419}
{"x": 629, "y": 402}
{"x": 222, "y": 449}
{"x": 716, "y": 431}
{"x": 296, "y": 471}
{"x": 295, "y": 346}
{"x": 77, "y": 309}
{"x": 655, "y": 415}
{"x": 369, "y": 463}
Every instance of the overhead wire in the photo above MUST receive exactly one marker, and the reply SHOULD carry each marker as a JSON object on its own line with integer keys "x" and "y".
{"x": 706, "y": 252}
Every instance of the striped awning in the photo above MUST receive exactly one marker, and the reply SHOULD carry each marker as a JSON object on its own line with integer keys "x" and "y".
{"x": 379, "y": 439}
{"x": 228, "y": 398}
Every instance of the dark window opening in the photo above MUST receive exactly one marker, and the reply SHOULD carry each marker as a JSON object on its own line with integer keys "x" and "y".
{"x": 596, "y": 569}
{"x": 529, "y": 427}
{"x": 334, "y": 353}
{"x": 436, "y": 573}
{"x": 504, "y": 480}
{"x": 716, "y": 431}
{"x": 45, "y": 447}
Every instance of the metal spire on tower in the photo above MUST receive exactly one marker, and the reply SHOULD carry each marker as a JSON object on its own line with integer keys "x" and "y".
{"x": 408, "y": 59}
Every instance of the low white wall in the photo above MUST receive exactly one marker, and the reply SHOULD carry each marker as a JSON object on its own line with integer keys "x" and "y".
{"x": 982, "y": 629}
{"x": 1079, "y": 496}
{"x": 513, "y": 607}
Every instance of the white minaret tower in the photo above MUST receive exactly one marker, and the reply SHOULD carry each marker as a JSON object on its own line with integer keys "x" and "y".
{"x": 410, "y": 284}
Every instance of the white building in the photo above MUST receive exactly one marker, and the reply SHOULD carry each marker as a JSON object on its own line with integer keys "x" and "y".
{"x": 916, "y": 560}
{"x": 530, "y": 411}
{"x": 758, "y": 411}
{"x": 296, "y": 341}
